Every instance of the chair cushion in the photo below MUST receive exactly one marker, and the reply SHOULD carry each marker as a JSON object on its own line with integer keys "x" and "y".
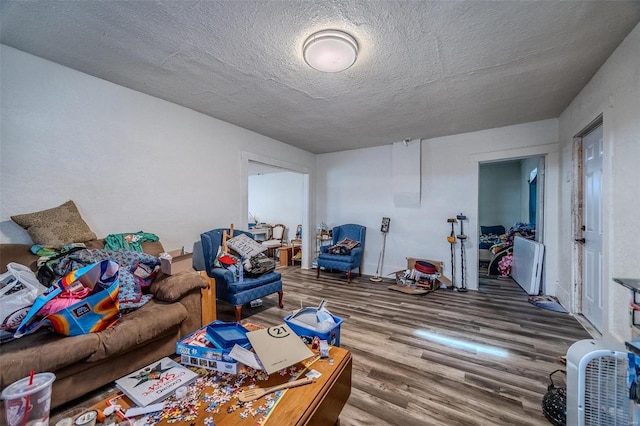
{"x": 249, "y": 283}
{"x": 248, "y": 295}
{"x": 339, "y": 258}
{"x": 271, "y": 243}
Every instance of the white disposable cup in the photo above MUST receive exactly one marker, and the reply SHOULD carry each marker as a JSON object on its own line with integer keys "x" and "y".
{"x": 33, "y": 399}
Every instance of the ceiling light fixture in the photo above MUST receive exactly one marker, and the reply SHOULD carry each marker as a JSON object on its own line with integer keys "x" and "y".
{"x": 330, "y": 51}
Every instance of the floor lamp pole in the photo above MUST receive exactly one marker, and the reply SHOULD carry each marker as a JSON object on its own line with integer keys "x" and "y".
{"x": 384, "y": 228}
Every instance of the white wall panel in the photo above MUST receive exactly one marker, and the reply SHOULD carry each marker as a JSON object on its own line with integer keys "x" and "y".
{"x": 130, "y": 161}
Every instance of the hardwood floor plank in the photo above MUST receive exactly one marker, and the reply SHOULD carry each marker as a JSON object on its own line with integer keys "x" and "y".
{"x": 445, "y": 358}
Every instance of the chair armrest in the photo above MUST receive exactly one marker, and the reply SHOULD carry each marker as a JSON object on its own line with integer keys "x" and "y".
{"x": 222, "y": 275}
{"x": 172, "y": 288}
{"x": 324, "y": 249}
{"x": 357, "y": 252}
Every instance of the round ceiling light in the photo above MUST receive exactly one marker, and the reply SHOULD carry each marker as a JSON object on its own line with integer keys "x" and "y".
{"x": 330, "y": 51}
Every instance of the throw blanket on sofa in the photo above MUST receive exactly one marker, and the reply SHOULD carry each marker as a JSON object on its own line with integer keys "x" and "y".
{"x": 137, "y": 272}
{"x": 131, "y": 241}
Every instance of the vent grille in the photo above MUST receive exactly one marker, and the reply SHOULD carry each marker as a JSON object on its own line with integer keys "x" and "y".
{"x": 606, "y": 397}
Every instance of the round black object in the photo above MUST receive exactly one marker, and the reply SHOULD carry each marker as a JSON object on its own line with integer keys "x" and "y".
{"x": 425, "y": 267}
{"x": 554, "y": 403}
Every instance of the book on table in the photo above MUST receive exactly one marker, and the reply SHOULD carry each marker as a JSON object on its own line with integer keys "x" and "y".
{"x": 155, "y": 382}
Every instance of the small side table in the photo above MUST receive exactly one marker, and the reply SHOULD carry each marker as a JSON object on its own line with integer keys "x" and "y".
{"x": 286, "y": 255}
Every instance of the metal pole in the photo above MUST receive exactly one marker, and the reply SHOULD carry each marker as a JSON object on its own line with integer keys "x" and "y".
{"x": 461, "y": 218}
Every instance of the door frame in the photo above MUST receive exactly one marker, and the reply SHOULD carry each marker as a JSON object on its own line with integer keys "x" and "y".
{"x": 577, "y": 214}
{"x": 551, "y": 153}
{"x": 307, "y": 197}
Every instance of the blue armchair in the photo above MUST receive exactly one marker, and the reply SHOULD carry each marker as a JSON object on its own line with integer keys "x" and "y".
{"x": 341, "y": 262}
{"x": 228, "y": 288}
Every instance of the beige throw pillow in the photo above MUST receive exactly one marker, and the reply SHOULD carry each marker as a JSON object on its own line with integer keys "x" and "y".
{"x": 56, "y": 227}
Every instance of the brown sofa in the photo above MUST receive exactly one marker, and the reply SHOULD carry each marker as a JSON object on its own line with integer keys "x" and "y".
{"x": 87, "y": 362}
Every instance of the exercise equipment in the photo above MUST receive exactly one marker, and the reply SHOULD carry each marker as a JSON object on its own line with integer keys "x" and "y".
{"x": 384, "y": 228}
{"x": 451, "y": 238}
{"x": 461, "y": 218}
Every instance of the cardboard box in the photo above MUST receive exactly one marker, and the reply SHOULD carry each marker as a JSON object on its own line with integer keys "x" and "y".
{"x": 411, "y": 262}
{"x": 197, "y": 350}
{"x": 176, "y": 262}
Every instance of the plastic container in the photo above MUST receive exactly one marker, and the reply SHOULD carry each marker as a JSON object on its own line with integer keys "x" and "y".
{"x": 332, "y": 335}
{"x": 37, "y": 396}
{"x": 226, "y": 335}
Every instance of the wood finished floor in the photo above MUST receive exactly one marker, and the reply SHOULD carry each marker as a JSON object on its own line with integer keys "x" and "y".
{"x": 446, "y": 358}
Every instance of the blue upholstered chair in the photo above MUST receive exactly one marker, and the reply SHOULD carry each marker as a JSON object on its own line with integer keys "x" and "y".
{"x": 340, "y": 262}
{"x": 228, "y": 288}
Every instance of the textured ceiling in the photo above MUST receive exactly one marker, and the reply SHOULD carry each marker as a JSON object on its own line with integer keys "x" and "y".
{"x": 425, "y": 68}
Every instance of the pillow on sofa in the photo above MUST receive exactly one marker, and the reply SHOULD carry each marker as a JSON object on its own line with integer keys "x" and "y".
{"x": 245, "y": 246}
{"x": 56, "y": 227}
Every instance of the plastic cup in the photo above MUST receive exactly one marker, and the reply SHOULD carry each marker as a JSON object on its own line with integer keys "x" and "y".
{"x": 33, "y": 399}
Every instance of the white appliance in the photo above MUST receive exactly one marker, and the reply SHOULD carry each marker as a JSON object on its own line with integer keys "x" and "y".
{"x": 526, "y": 268}
{"x": 597, "y": 393}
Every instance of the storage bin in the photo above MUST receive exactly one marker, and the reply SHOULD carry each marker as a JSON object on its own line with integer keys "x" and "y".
{"x": 332, "y": 336}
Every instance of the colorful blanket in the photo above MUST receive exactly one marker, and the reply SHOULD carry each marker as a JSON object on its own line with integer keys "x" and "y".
{"x": 137, "y": 272}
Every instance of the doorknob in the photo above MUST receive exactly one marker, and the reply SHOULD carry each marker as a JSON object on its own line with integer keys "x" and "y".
{"x": 580, "y": 240}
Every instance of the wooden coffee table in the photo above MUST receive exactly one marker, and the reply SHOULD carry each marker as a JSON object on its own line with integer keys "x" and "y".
{"x": 319, "y": 403}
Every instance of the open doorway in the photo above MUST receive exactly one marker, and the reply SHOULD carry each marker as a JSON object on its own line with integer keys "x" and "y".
{"x": 510, "y": 205}
{"x": 275, "y": 197}
{"x": 250, "y": 164}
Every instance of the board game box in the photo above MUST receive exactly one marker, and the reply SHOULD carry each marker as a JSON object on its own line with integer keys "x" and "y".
{"x": 197, "y": 350}
{"x": 155, "y": 382}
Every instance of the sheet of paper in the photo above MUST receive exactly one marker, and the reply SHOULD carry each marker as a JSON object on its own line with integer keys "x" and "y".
{"x": 246, "y": 357}
{"x": 278, "y": 347}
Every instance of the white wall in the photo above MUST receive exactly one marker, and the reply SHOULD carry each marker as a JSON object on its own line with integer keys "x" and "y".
{"x": 614, "y": 92}
{"x": 277, "y": 198}
{"x": 500, "y": 194}
{"x": 356, "y": 186}
{"x": 130, "y": 161}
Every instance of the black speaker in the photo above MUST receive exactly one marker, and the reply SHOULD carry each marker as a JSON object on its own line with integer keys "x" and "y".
{"x": 385, "y": 225}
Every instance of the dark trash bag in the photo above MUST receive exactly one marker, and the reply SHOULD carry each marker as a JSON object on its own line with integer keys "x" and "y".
{"x": 554, "y": 403}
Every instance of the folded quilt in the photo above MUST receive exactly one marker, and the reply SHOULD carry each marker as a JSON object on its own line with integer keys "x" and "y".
{"x": 344, "y": 246}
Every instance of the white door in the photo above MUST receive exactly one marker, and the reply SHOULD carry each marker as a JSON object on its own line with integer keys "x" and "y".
{"x": 592, "y": 219}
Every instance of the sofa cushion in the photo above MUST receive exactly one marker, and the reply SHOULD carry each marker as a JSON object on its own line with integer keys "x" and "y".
{"x": 18, "y": 253}
{"x": 171, "y": 288}
{"x": 56, "y": 227}
{"x": 152, "y": 320}
{"x": 43, "y": 351}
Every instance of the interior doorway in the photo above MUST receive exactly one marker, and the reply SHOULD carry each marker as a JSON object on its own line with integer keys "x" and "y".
{"x": 511, "y": 202}
{"x": 252, "y": 164}
{"x": 275, "y": 197}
